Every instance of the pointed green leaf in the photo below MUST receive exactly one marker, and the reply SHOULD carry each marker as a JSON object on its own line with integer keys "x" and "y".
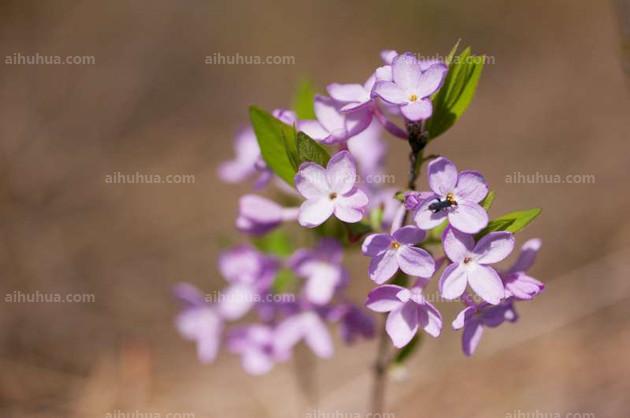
{"x": 511, "y": 222}
{"x": 487, "y": 201}
{"x": 309, "y": 150}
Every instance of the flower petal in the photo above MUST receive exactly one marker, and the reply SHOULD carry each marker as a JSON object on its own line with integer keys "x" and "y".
{"x": 341, "y": 172}
{"x": 390, "y": 92}
{"x": 433, "y": 324}
{"x": 487, "y": 284}
{"x": 406, "y": 71}
{"x": 453, "y": 281}
{"x": 314, "y": 212}
{"x": 468, "y": 217}
{"x": 402, "y": 324}
{"x": 256, "y": 362}
{"x": 442, "y": 176}
{"x": 522, "y": 286}
{"x": 236, "y": 301}
{"x": 384, "y": 298}
{"x": 328, "y": 114}
{"x": 311, "y": 181}
{"x": 351, "y": 206}
{"x": 314, "y": 129}
{"x": 431, "y": 79}
{"x": 383, "y": 266}
{"x": 322, "y": 281}
{"x": 471, "y": 186}
{"x": 375, "y": 244}
{"x": 471, "y": 337}
{"x": 462, "y": 317}
{"x": 418, "y": 110}
{"x": 457, "y": 245}
{"x": 409, "y": 235}
{"x": 494, "y": 247}
{"x": 527, "y": 256}
{"x": 317, "y": 336}
{"x": 427, "y": 219}
{"x": 415, "y": 261}
{"x": 347, "y": 92}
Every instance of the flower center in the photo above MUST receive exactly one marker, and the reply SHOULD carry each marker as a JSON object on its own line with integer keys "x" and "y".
{"x": 413, "y": 98}
{"x": 467, "y": 260}
{"x": 450, "y": 198}
{"x": 395, "y": 245}
{"x": 332, "y": 196}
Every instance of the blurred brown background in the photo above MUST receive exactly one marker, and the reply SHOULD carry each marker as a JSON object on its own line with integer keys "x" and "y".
{"x": 555, "y": 101}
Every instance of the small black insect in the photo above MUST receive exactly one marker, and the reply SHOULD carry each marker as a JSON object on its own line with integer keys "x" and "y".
{"x": 438, "y": 205}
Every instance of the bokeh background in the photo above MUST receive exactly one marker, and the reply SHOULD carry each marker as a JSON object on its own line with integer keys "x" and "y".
{"x": 555, "y": 101}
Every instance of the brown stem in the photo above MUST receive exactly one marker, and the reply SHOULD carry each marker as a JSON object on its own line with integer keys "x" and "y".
{"x": 418, "y": 140}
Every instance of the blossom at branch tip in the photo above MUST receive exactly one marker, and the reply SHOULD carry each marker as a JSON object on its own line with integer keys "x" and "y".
{"x": 456, "y": 196}
{"x": 397, "y": 251}
{"x": 247, "y": 161}
{"x": 408, "y": 311}
{"x": 199, "y": 321}
{"x": 258, "y": 347}
{"x": 258, "y": 215}
{"x": 332, "y": 125}
{"x": 471, "y": 264}
{"x": 322, "y": 270}
{"x": 330, "y": 190}
{"x": 517, "y": 282}
{"x": 352, "y": 97}
{"x": 411, "y": 86}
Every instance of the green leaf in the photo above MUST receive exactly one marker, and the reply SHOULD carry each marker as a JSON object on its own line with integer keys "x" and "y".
{"x": 277, "y": 142}
{"x": 309, "y": 150}
{"x": 511, "y": 222}
{"x": 457, "y": 92}
{"x": 276, "y": 242}
{"x": 405, "y": 352}
{"x": 284, "y": 282}
{"x": 376, "y": 218}
{"x": 487, "y": 201}
{"x": 304, "y": 100}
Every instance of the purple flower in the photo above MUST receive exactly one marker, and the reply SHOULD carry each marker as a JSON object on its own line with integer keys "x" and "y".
{"x": 247, "y": 161}
{"x": 385, "y": 199}
{"x": 249, "y": 273}
{"x": 257, "y": 346}
{"x": 517, "y": 283}
{"x": 199, "y": 322}
{"x": 332, "y": 126}
{"x": 470, "y": 264}
{"x": 475, "y": 317}
{"x": 455, "y": 196}
{"x": 287, "y": 116}
{"x": 369, "y": 150}
{"x": 411, "y": 86}
{"x": 330, "y": 190}
{"x": 408, "y": 311}
{"x": 352, "y": 97}
{"x": 322, "y": 270}
{"x": 306, "y": 326}
{"x": 354, "y": 322}
{"x": 258, "y": 215}
{"x": 391, "y": 252}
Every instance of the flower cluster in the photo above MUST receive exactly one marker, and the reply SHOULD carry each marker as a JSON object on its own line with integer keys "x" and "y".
{"x": 279, "y": 295}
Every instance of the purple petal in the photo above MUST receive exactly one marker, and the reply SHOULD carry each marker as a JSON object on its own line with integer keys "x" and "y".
{"x": 351, "y": 206}
{"x": 457, "y": 245}
{"x": 341, "y": 173}
{"x": 432, "y": 321}
{"x": 468, "y": 217}
{"x": 453, "y": 281}
{"x": 383, "y": 266}
{"x": 426, "y": 219}
{"x": 409, "y": 235}
{"x": 314, "y": 129}
{"x": 406, "y": 71}
{"x": 384, "y": 298}
{"x": 494, "y": 247}
{"x": 471, "y": 186}
{"x": 462, "y": 317}
{"x": 388, "y": 55}
{"x": 322, "y": 281}
{"x": 487, "y": 284}
{"x": 471, "y": 337}
{"x": 256, "y": 362}
{"x": 417, "y": 110}
{"x": 328, "y": 114}
{"x": 402, "y": 324}
{"x": 383, "y": 73}
{"x": 258, "y": 214}
{"x": 431, "y": 79}
{"x": 314, "y": 212}
{"x": 527, "y": 256}
{"x": 442, "y": 176}
{"x": 390, "y": 92}
{"x": 347, "y": 92}
{"x": 236, "y": 301}
{"x": 522, "y": 286}
{"x": 317, "y": 336}
{"x": 375, "y": 244}
{"x": 415, "y": 261}
{"x": 311, "y": 181}
{"x": 203, "y": 326}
